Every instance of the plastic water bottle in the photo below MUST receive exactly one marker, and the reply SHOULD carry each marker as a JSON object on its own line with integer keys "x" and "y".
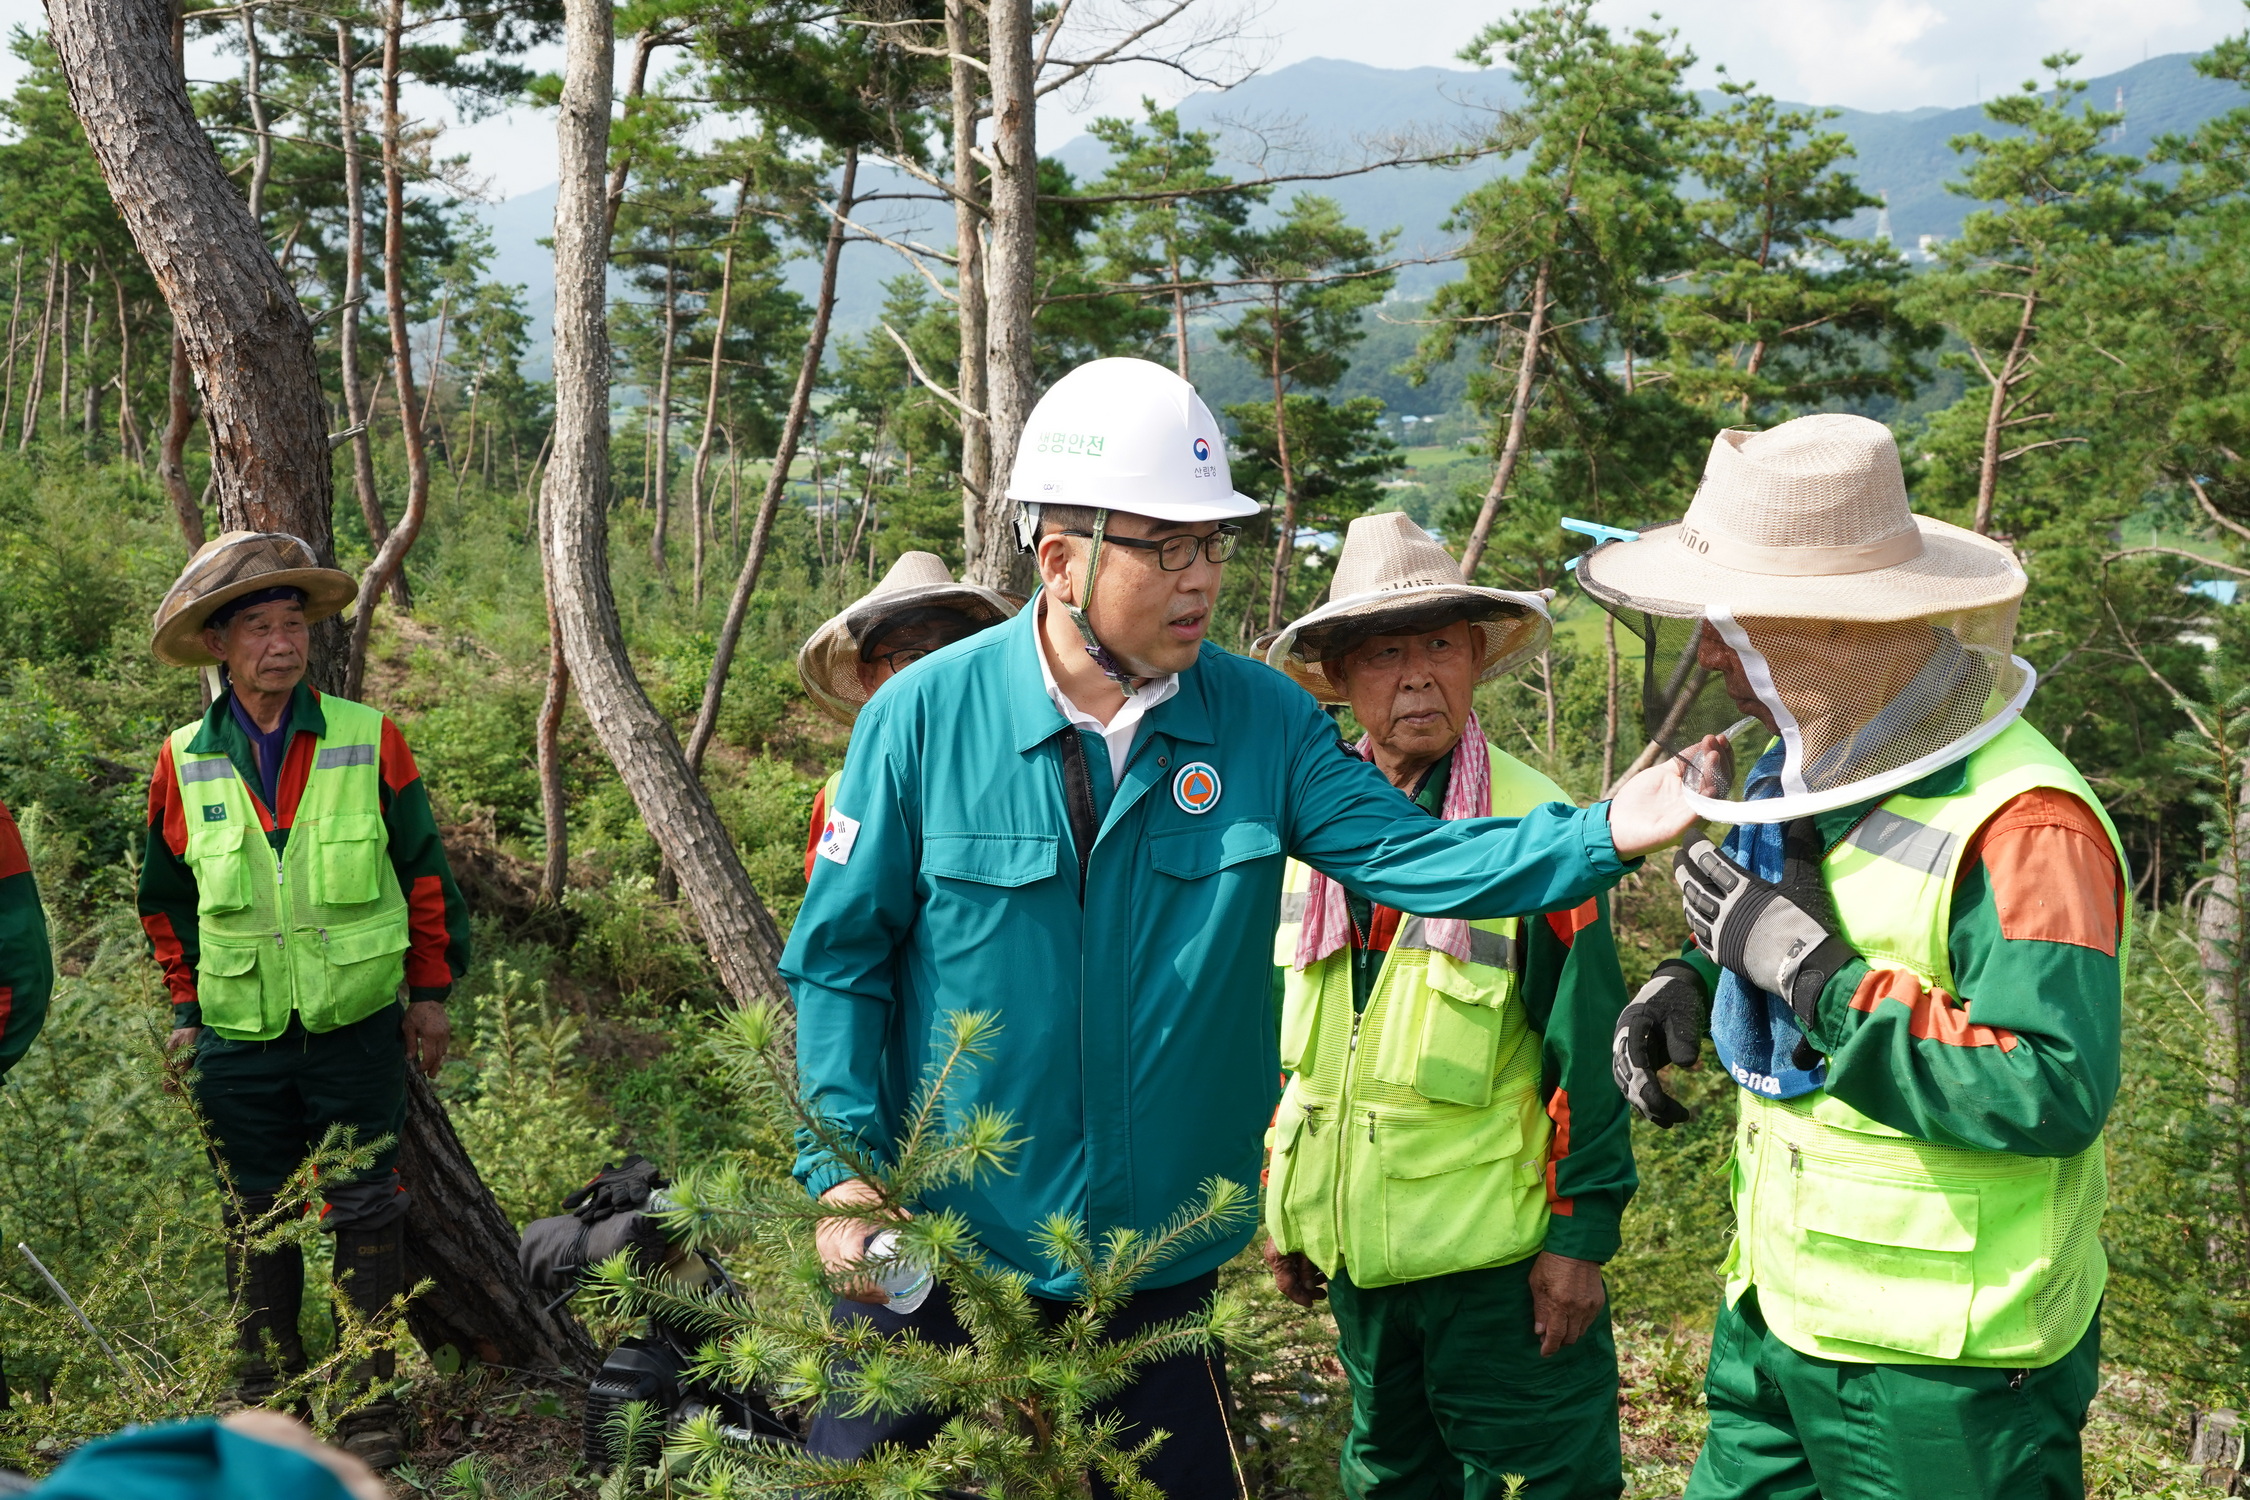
{"x": 906, "y": 1284}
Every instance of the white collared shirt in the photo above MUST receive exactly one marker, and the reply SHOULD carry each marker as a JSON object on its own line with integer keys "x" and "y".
{"x": 1117, "y": 734}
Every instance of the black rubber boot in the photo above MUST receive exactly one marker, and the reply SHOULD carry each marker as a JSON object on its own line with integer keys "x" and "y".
{"x": 370, "y": 1272}
{"x": 269, "y": 1294}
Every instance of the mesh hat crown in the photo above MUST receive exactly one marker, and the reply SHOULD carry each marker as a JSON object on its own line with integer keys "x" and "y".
{"x": 225, "y": 568}
{"x": 1393, "y": 578}
{"x": 828, "y": 663}
{"x": 1807, "y": 520}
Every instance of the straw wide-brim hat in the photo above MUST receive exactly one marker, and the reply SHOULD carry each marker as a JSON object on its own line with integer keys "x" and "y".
{"x": 230, "y": 565}
{"x": 828, "y": 662}
{"x": 1392, "y": 578}
{"x": 1808, "y": 520}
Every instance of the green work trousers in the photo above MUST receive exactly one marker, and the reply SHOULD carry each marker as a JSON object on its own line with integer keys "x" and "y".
{"x": 1449, "y": 1393}
{"x": 269, "y": 1103}
{"x": 1789, "y": 1426}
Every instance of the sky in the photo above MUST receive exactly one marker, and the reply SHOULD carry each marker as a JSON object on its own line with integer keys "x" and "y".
{"x": 1863, "y": 54}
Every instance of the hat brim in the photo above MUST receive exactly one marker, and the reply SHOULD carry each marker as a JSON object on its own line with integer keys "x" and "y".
{"x": 1237, "y": 506}
{"x": 828, "y": 662}
{"x": 1532, "y": 630}
{"x": 1660, "y": 575}
{"x": 178, "y": 642}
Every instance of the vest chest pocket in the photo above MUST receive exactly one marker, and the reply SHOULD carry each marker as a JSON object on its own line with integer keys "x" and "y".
{"x": 221, "y": 866}
{"x": 348, "y": 858}
{"x": 1443, "y": 1047}
{"x": 1867, "y": 1246}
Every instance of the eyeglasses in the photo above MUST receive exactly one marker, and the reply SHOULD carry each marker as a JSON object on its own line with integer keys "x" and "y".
{"x": 903, "y": 657}
{"x": 1176, "y": 554}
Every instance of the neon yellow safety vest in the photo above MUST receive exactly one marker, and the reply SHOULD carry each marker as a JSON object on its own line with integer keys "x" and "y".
{"x": 1411, "y": 1140}
{"x": 1866, "y": 1244}
{"x": 321, "y": 931}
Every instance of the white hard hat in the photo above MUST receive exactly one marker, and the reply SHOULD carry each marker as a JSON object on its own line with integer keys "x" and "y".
{"x": 1125, "y": 434}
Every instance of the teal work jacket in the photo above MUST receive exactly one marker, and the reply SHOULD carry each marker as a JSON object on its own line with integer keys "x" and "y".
{"x": 1138, "y": 1051}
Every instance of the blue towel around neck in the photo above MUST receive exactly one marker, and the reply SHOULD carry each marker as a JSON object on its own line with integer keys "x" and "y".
{"x": 1756, "y": 1033}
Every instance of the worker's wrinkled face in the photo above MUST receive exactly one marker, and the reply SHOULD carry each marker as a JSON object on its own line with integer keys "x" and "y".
{"x": 266, "y": 647}
{"x": 1151, "y": 619}
{"x": 1411, "y": 692}
{"x": 1715, "y": 655}
{"x": 903, "y": 645}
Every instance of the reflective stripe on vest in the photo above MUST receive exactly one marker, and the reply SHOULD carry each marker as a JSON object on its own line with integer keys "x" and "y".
{"x": 1868, "y": 1245}
{"x": 1411, "y": 1140}
{"x": 323, "y": 930}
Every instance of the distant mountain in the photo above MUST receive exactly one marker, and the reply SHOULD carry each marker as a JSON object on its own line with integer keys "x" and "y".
{"x": 1324, "y": 111}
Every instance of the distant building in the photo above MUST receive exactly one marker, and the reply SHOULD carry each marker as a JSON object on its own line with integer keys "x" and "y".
{"x": 1883, "y": 217}
{"x": 1929, "y": 245}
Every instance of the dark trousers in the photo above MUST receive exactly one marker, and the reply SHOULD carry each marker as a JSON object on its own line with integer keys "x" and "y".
{"x": 1185, "y": 1395}
{"x": 269, "y": 1104}
{"x": 1450, "y": 1395}
{"x": 1790, "y": 1426}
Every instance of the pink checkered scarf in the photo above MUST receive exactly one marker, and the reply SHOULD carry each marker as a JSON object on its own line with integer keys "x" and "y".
{"x": 1468, "y": 794}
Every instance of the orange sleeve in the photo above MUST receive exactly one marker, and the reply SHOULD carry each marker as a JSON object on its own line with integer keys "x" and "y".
{"x": 812, "y": 831}
{"x": 2054, "y": 875}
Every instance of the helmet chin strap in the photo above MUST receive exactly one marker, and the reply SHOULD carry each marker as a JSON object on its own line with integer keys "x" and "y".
{"x": 1115, "y": 669}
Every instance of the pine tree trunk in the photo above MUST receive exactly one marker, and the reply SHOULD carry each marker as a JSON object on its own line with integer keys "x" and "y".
{"x": 737, "y": 930}
{"x": 38, "y": 380}
{"x": 785, "y": 454}
{"x": 968, "y": 279}
{"x": 1010, "y": 281}
{"x": 662, "y": 489}
{"x": 457, "y": 1236}
{"x": 356, "y": 414}
{"x": 702, "y": 470}
{"x": 1519, "y": 413}
{"x": 247, "y": 339}
{"x": 390, "y": 558}
{"x": 554, "y": 810}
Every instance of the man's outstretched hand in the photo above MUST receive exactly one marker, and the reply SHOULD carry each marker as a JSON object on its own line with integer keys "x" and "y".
{"x": 843, "y": 1241}
{"x": 1651, "y": 810}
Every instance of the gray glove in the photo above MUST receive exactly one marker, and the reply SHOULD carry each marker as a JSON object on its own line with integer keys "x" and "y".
{"x": 1780, "y": 936}
{"x": 1662, "y": 1024}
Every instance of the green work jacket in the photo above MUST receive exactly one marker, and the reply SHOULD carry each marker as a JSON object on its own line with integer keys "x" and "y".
{"x": 1138, "y": 1050}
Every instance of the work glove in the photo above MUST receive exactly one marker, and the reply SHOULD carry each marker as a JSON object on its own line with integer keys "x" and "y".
{"x": 1780, "y": 936}
{"x": 615, "y": 1190}
{"x": 1662, "y": 1024}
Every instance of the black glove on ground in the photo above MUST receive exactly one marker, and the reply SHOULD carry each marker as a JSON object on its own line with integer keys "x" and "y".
{"x": 1781, "y": 936}
{"x": 1662, "y": 1024}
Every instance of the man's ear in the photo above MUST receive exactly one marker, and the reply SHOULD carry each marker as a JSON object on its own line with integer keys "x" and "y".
{"x": 1482, "y": 642}
{"x": 214, "y": 642}
{"x": 1055, "y": 554}
{"x": 1338, "y": 678}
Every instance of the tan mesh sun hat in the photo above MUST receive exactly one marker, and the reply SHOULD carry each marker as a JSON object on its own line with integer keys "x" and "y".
{"x": 828, "y": 663}
{"x": 1880, "y": 643}
{"x": 1392, "y": 578}
{"x": 1808, "y": 520}
{"x": 230, "y": 565}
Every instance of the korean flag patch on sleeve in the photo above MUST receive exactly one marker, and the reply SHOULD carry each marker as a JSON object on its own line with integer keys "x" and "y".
{"x": 836, "y": 837}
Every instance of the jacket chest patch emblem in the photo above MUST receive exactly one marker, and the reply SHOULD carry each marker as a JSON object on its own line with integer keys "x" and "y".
{"x": 1196, "y": 787}
{"x": 214, "y": 812}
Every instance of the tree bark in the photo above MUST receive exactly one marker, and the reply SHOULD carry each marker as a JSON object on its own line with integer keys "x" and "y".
{"x": 247, "y": 339}
{"x": 968, "y": 279}
{"x": 737, "y": 930}
{"x": 458, "y": 1238}
{"x": 1519, "y": 412}
{"x": 785, "y": 454}
{"x": 2011, "y": 372}
{"x": 15, "y": 314}
{"x": 554, "y": 811}
{"x": 171, "y": 457}
{"x": 1285, "y": 532}
{"x": 662, "y": 488}
{"x": 390, "y": 559}
{"x": 702, "y": 469}
{"x": 33, "y": 389}
{"x": 1010, "y": 279}
{"x": 356, "y": 414}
